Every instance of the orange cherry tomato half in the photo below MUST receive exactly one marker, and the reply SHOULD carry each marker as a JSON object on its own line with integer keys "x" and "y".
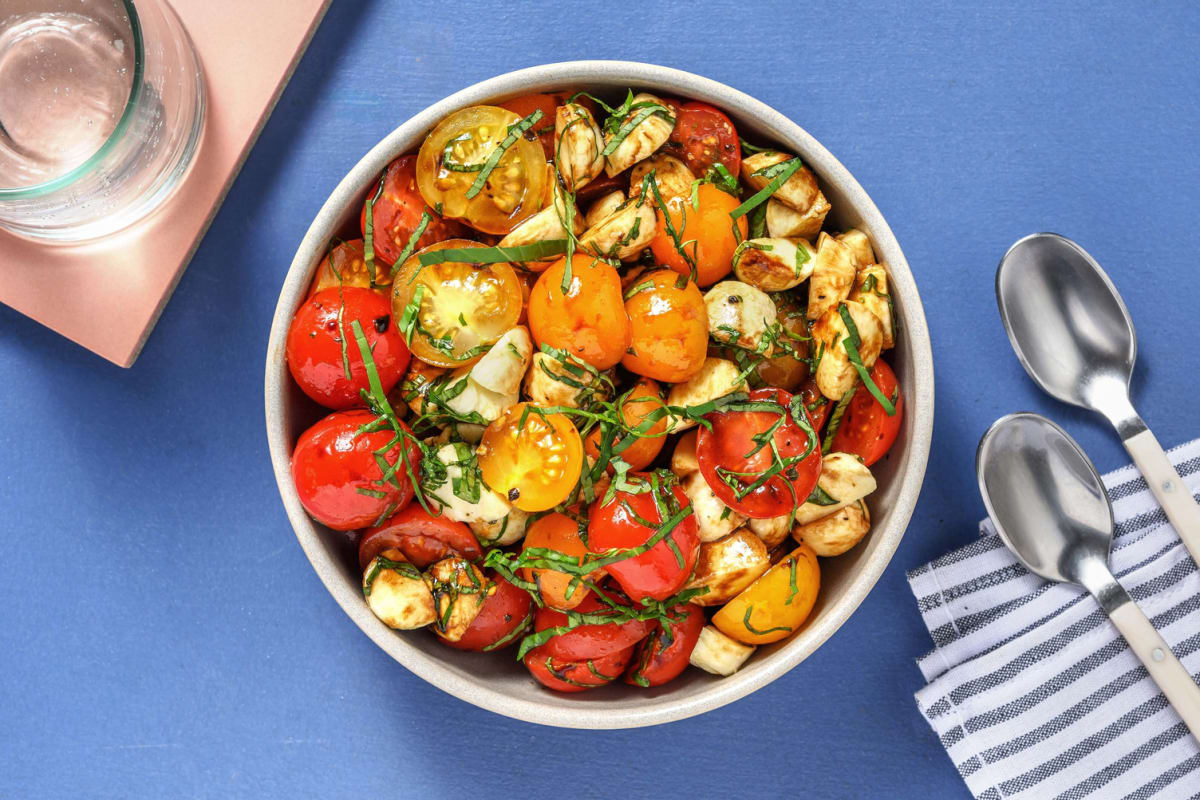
{"x": 337, "y": 477}
{"x": 620, "y": 524}
{"x": 317, "y": 340}
{"x": 504, "y": 615}
{"x": 463, "y": 308}
{"x": 548, "y": 104}
{"x": 588, "y": 320}
{"x": 732, "y": 463}
{"x": 576, "y": 676}
{"x": 422, "y": 538}
{"x": 560, "y": 533}
{"x": 705, "y": 234}
{"x": 668, "y": 328}
{"x": 532, "y": 457}
{"x": 664, "y": 654}
{"x": 397, "y": 214}
{"x": 866, "y": 430}
{"x": 636, "y": 404}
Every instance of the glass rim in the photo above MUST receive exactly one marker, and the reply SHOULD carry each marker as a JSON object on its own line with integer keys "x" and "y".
{"x": 135, "y": 88}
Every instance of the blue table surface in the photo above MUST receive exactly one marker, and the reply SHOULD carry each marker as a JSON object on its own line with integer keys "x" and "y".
{"x": 161, "y": 633}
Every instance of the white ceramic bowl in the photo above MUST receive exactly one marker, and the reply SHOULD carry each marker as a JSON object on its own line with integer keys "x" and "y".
{"x": 497, "y": 681}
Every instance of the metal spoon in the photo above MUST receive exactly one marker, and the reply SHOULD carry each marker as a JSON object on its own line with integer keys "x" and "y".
{"x": 1049, "y": 507}
{"x": 1074, "y": 337}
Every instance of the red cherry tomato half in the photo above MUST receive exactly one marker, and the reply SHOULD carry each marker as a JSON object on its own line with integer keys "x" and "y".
{"x": 397, "y": 214}
{"x": 598, "y": 187}
{"x": 332, "y": 462}
{"x": 866, "y": 430}
{"x": 314, "y": 345}
{"x": 589, "y": 641}
{"x": 662, "y": 655}
{"x": 497, "y": 625}
{"x": 703, "y": 136}
{"x": 656, "y": 573}
{"x": 576, "y": 676}
{"x": 816, "y": 404}
{"x": 729, "y": 452}
{"x": 423, "y": 539}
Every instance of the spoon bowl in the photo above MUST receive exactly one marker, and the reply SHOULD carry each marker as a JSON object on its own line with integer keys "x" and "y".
{"x": 1045, "y": 498}
{"x": 1066, "y": 321}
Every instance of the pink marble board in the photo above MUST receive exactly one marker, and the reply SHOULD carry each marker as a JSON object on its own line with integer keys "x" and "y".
{"x": 107, "y": 295}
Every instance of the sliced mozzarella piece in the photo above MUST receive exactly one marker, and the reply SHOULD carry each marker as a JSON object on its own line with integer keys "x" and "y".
{"x": 578, "y": 143}
{"x": 774, "y": 264}
{"x": 785, "y": 221}
{"x": 397, "y": 595}
{"x": 728, "y": 565}
{"x": 739, "y": 314}
{"x": 683, "y": 460}
{"x": 489, "y": 506}
{"x": 671, "y": 175}
{"x": 871, "y": 289}
{"x": 641, "y": 142}
{"x": 832, "y": 275}
{"x": 550, "y": 382}
{"x": 458, "y": 589}
{"x": 835, "y": 374}
{"x": 716, "y": 378}
{"x": 835, "y": 534}
{"x": 623, "y": 234}
{"x": 845, "y": 480}
{"x": 503, "y": 531}
{"x": 860, "y": 245}
{"x": 714, "y": 519}
{"x": 603, "y": 207}
{"x": 772, "y": 530}
{"x": 717, "y": 653}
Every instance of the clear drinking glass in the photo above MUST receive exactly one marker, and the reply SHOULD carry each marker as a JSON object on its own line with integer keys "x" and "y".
{"x": 101, "y": 111}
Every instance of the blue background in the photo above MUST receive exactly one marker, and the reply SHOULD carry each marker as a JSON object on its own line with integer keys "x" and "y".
{"x": 161, "y": 633}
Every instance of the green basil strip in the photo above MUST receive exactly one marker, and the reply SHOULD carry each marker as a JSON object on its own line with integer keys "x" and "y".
{"x": 851, "y": 343}
{"x": 759, "y": 197}
{"x": 494, "y": 255}
{"x": 756, "y": 631}
{"x": 514, "y": 133}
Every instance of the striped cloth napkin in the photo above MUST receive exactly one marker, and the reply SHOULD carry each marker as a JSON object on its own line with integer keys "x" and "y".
{"x": 1032, "y": 691}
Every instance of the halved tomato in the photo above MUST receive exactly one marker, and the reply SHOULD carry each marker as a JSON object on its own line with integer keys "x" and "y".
{"x": 576, "y": 676}
{"x": 462, "y": 310}
{"x": 396, "y": 214}
{"x": 664, "y": 654}
{"x": 531, "y": 457}
{"x": 460, "y": 148}
{"x": 734, "y": 463}
{"x": 591, "y": 640}
{"x": 703, "y": 136}
{"x": 422, "y": 538}
{"x": 866, "y": 429}
{"x": 632, "y": 518}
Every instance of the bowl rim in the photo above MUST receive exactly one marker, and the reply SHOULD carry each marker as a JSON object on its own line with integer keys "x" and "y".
{"x": 910, "y": 473}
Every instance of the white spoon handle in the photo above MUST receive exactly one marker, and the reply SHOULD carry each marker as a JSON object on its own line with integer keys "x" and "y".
{"x": 1170, "y": 675}
{"x": 1168, "y": 488}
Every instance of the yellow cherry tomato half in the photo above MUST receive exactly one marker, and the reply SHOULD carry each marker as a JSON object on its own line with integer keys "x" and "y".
{"x": 456, "y": 152}
{"x": 775, "y": 605}
{"x": 462, "y": 309}
{"x": 534, "y": 462}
